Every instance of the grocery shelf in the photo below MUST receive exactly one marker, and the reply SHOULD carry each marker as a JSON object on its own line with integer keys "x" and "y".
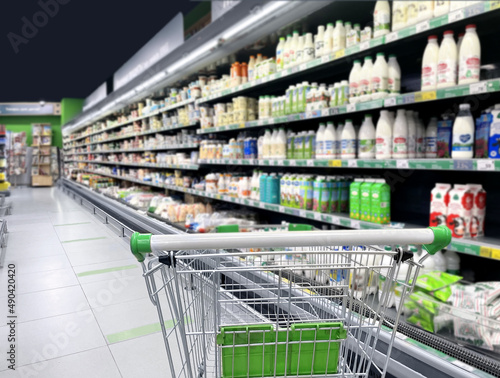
{"x": 389, "y": 102}
{"x": 193, "y": 167}
{"x": 416, "y": 164}
{"x": 391, "y": 38}
{"x": 137, "y": 134}
{"x": 171, "y": 147}
{"x": 124, "y": 178}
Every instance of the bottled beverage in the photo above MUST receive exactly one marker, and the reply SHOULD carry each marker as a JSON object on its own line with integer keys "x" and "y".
{"x": 400, "y": 136}
{"x": 266, "y": 144}
{"x": 299, "y": 54}
{"x": 320, "y": 41}
{"x": 366, "y": 139}
{"x": 320, "y": 142}
{"x": 430, "y": 64}
{"x": 365, "y": 79}
{"x": 329, "y": 139}
{"x": 425, "y": 10}
{"x": 383, "y": 136}
{"x": 431, "y": 139}
{"x": 463, "y": 134}
{"x": 441, "y": 7}
{"x": 394, "y": 79}
{"x": 274, "y": 144}
{"x": 459, "y": 43}
{"x": 308, "y": 48}
{"x": 420, "y": 138}
{"x": 251, "y": 68}
{"x": 353, "y": 35}
{"x": 379, "y": 77}
{"x": 279, "y": 54}
{"x": 354, "y": 78}
{"x": 447, "y": 61}
{"x": 338, "y": 36}
{"x": 399, "y": 14}
{"x": 381, "y": 18}
{"x": 286, "y": 51}
{"x": 338, "y": 142}
{"x": 348, "y": 141}
{"x": 412, "y": 13}
{"x": 469, "y": 57}
{"x": 328, "y": 43}
{"x": 343, "y": 97}
{"x": 412, "y": 134}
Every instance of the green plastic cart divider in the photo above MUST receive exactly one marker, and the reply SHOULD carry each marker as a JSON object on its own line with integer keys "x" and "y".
{"x": 228, "y": 228}
{"x": 299, "y": 227}
{"x": 313, "y": 349}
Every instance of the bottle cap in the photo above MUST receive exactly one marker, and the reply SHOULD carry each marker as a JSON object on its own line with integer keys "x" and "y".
{"x": 392, "y": 56}
{"x": 368, "y": 58}
{"x": 448, "y": 32}
{"x": 357, "y": 61}
{"x": 464, "y": 106}
{"x": 432, "y": 37}
{"x": 381, "y": 54}
{"x": 470, "y": 26}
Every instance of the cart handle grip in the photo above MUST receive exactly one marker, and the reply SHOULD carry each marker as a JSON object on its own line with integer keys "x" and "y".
{"x": 140, "y": 245}
{"x": 442, "y": 238}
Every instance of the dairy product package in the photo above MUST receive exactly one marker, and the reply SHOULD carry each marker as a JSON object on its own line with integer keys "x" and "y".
{"x": 444, "y": 137}
{"x": 439, "y": 204}
{"x": 460, "y": 211}
{"x": 380, "y": 205}
{"x": 482, "y": 135}
{"x": 478, "y": 210}
{"x": 365, "y": 200}
{"x": 355, "y": 198}
{"x": 494, "y": 139}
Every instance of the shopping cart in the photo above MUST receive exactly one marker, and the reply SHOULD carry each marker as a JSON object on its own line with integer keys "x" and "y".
{"x": 222, "y": 316}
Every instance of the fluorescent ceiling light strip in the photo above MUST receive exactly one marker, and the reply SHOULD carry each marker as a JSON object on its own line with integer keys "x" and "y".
{"x": 192, "y": 56}
{"x": 258, "y": 16}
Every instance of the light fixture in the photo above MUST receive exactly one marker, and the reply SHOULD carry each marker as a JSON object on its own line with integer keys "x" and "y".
{"x": 256, "y": 17}
{"x": 192, "y": 56}
{"x": 151, "y": 81}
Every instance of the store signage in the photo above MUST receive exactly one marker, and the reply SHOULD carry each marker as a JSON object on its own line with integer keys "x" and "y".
{"x": 98, "y": 95}
{"x": 219, "y": 7}
{"x": 22, "y": 109}
{"x": 167, "y": 40}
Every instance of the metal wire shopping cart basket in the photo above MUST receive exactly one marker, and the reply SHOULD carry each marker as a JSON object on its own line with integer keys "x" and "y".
{"x": 310, "y": 315}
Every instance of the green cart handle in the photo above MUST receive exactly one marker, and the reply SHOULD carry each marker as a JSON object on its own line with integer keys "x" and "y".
{"x": 140, "y": 245}
{"x": 442, "y": 239}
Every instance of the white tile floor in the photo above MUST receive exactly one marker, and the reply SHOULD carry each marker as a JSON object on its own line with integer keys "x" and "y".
{"x": 79, "y": 291}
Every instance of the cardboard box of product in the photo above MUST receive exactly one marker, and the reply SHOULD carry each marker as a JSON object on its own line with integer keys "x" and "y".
{"x": 478, "y": 210}
{"x": 460, "y": 211}
{"x": 355, "y": 198}
{"x": 439, "y": 204}
{"x": 380, "y": 202}
{"x": 443, "y": 140}
{"x": 365, "y": 200}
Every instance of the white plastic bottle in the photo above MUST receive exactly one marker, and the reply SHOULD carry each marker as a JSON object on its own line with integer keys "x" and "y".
{"x": 431, "y": 139}
{"x": 383, "y": 136}
{"x": 320, "y": 142}
{"x": 330, "y": 139}
{"x": 280, "y": 54}
{"x": 412, "y": 134}
{"x": 274, "y": 144}
{"x": 381, "y": 18}
{"x": 328, "y": 43}
{"x": 441, "y": 7}
{"x": 299, "y": 54}
{"x": 440, "y": 261}
{"x": 338, "y": 143}
{"x": 412, "y": 13}
{"x": 430, "y": 64}
{"x": 266, "y": 144}
{"x": 293, "y": 48}
{"x": 320, "y": 41}
{"x": 392, "y": 117}
{"x": 459, "y": 43}
{"x": 365, "y": 80}
{"x": 469, "y": 57}
{"x": 348, "y": 141}
{"x": 425, "y": 10}
{"x": 354, "y": 78}
{"x": 281, "y": 144}
{"x": 399, "y": 14}
{"x": 463, "y": 134}
{"x": 452, "y": 262}
{"x": 338, "y": 36}
{"x": 308, "y": 48}
{"x": 379, "y": 78}
{"x": 447, "y": 61}
{"x": 420, "y": 137}
{"x": 394, "y": 79}
{"x": 400, "y": 136}
{"x": 366, "y": 139}
{"x": 286, "y": 51}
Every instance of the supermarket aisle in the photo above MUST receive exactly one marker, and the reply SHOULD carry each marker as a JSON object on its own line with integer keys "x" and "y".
{"x": 81, "y": 302}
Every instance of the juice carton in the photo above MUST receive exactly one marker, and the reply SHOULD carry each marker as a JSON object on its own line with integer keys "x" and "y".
{"x": 478, "y": 210}
{"x": 295, "y": 190}
{"x": 443, "y": 140}
{"x": 333, "y": 185}
{"x": 343, "y": 195}
{"x": 380, "y": 202}
{"x": 365, "y": 200}
{"x": 460, "y": 211}
{"x": 482, "y": 135}
{"x": 439, "y": 204}
{"x": 306, "y": 193}
{"x": 320, "y": 193}
{"x": 494, "y": 136}
{"x": 355, "y": 198}
{"x": 284, "y": 189}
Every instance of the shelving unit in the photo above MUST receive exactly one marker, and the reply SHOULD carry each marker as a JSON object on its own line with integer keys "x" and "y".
{"x": 41, "y": 171}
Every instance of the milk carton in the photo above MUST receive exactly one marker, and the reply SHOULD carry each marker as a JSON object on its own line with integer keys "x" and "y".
{"x": 439, "y": 204}
{"x": 482, "y": 135}
{"x": 494, "y": 140}
{"x": 365, "y": 200}
{"x": 380, "y": 194}
{"x": 355, "y": 198}
{"x": 478, "y": 210}
{"x": 460, "y": 211}
{"x": 443, "y": 140}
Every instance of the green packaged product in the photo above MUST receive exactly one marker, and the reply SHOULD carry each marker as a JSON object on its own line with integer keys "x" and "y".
{"x": 422, "y": 323}
{"x": 365, "y": 200}
{"x": 425, "y": 301}
{"x": 436, "y": 280}
{"x": 355, "y": 198}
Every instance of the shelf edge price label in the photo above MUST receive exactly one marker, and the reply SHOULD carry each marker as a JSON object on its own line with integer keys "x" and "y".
{"x": 335, "y": 220}
{"x": 391, "y": 101}
{"x": 352, "y": 163}
{"x": 310, "y": 163}
{"x": 402, "y": 164}
{"x": 340, "y": 54}
{"x": 302, "y": 67}
{"x": 325, "y": 58}
{"x": 495, "y": 254}
{"x": 302, "y": 213}
{"x": 391, "y": 37}
{"x": 335, "y": 163}
{"x": 456, "y": 16}
{"x": 429, "y": 95}
{"x": 423, "y": 26}
{"x": 325, "y": 112}
{"x": 485, "y": 252}
{"x": 477, "y": 88}
{"x": 351, "y": 108}
{"x": 317, "y": 216}
{"x": 485, "y": 165}
{"x": 355, "y": 224}
{"x": 364, "y": 45}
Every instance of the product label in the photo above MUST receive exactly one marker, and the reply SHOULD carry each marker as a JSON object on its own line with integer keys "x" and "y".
{"x": 348, "y": 146}
{"x": 308, "y": 53}
{"x": 353, "y": 89}
{"x": 352, "y": 38}
{"x": 319, "y": 46}
{"x": 412, "y": 144}
{"x": 412, "y": 11}
{"x": 431, "y": 146}
{"x": 444, "y": 141}
{"x": 364, "y": 87}
{"x": 482, "y": 136}
{"x": 469, "y": 67}
{"x": 382, "y": 21}
{"x": 378, "y": 84}
{"x": 400, "y": 145}
{"x": 447, "y": 71}
{"x": 429, "y": 75}
{"x": 383, "y": 146}
{"x": 329, "y": 148}
{"x": 394, "y": 85}
{"x": 366, "y": 145}
{"x": 399, "y": 15}
{"x": 462, "y": 142}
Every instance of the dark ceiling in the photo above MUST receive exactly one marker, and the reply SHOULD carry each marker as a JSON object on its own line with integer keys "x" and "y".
{"x": 79, "y": 48}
